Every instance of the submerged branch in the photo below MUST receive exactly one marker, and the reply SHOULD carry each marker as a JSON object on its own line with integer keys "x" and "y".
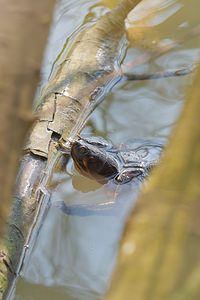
{"x": 158, "y": 75}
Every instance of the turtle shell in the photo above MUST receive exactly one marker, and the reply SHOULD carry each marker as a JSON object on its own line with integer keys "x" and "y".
{"x": 142, "y": 152}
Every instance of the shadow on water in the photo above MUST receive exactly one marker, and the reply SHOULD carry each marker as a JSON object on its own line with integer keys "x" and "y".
{"x": 76, "y": 250}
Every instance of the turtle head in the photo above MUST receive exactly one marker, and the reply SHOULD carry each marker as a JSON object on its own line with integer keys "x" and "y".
{"x": 93, "y": 161}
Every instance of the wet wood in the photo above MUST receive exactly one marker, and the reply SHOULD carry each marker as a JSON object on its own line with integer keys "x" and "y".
{"x": 159, "y": 254}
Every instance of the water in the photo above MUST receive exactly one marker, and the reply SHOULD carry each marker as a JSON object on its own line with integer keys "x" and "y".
{"x": 75, "y": 254}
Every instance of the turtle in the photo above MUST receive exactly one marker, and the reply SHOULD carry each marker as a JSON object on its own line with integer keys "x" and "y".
{"x": 121, "y": 170}
{"x": 99, "y": 160}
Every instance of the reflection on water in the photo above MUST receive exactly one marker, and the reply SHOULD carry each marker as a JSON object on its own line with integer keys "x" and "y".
{"x": 75, "y": 253}
{"x": 78, "y": 254}
{"x": 78, "y": 243}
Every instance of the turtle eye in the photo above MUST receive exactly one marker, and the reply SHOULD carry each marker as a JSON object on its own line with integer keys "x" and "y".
{"x": 82, "y": 150}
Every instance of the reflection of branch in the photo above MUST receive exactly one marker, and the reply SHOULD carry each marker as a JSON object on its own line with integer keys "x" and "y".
{"x": 157, "y": 75}
{"x": 162, "y": 49}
